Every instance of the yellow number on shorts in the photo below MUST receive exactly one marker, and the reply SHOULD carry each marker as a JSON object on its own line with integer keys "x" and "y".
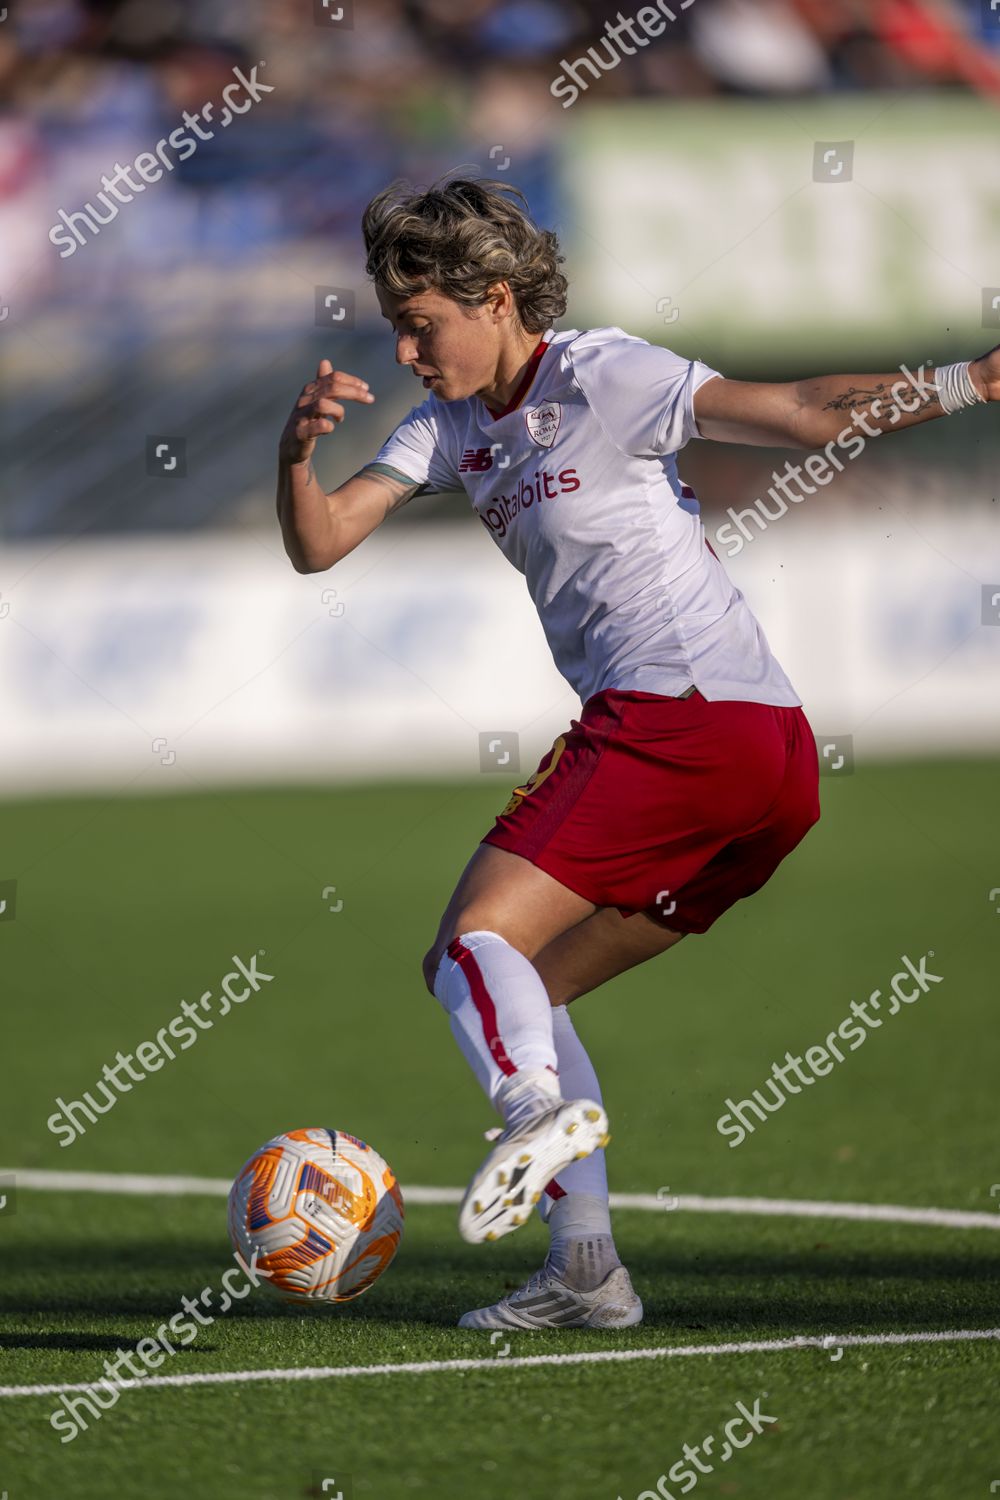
{"x": 536, "y": 778}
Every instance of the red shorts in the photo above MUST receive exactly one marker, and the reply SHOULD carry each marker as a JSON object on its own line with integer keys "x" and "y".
{"x": 676, "y": 807}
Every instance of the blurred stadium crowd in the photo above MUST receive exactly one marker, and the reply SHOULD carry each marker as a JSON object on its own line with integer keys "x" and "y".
{"x": 398, "y": 91}
{"x": 233, "y": 241}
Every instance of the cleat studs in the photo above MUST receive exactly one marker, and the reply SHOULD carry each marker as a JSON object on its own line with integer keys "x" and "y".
{"x": 517, "y": 1219}
{"x": 524, "y": 1157}
{"x": 571, "y": 1127}
{"x": 502, "y": 1179}
{"x": 477, "y": 1208}
{"x": 535, "y": 1197}
{"x": 489, "y": 1235}
{"x": 591, "y": 1114}
{"x": 581, "y": 1155}
{"x": 605, "y": 1139}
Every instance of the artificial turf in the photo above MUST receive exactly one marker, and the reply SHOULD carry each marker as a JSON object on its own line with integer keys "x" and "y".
{"x": 126, "y": 906}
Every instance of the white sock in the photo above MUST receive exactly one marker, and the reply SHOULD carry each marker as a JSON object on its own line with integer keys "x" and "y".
{"x": 575, "y": 1206}
{"x": 501, "y": 1018}
{"x": 583, "y": 1261}
{"x": 577, "y": 1080}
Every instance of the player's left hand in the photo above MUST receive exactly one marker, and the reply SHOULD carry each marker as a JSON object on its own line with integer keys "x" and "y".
{"x": 985, "y": 371}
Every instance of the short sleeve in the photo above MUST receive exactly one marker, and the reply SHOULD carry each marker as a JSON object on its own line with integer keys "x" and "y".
{"x": 641, "y": 393}
{"x": 419, "y": 449}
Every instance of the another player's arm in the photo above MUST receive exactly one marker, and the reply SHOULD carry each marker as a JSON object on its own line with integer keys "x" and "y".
{"x": 812, "y": 413}
{"x": 319, "y": 528}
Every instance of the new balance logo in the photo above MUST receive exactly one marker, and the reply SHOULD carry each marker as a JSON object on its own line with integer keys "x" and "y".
{"x": 476, "y": 461}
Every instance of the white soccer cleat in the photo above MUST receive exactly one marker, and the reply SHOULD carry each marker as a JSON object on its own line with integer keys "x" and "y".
{"x": 546, "y": 1302}
{"x": 525, "y": 1158}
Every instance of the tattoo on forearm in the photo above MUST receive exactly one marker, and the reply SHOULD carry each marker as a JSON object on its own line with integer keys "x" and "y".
{"x": 848, "y": 400}
{"x": 397, "y": 491}
{"x": 888, "y": 402}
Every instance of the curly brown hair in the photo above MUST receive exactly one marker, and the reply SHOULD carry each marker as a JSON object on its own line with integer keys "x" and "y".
{"x": 460, "y": 237}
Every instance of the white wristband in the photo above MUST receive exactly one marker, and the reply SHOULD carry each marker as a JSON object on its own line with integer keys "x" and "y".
{"x": 956, "y": 387}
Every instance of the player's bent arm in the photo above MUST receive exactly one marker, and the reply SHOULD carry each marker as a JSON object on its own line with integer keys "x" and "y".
{"x": 320, "y": 528}
{"x": 812, "y": 413}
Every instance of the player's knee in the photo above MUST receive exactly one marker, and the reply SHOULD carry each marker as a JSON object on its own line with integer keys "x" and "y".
{"x": 449, "y": 929}
{"x": 432, "y": 960}
{"x": 466, "y": 921}
{"x": 431, "y": 963}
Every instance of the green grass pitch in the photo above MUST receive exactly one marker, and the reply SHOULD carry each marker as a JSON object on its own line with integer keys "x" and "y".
{"x": 125, "y": 907}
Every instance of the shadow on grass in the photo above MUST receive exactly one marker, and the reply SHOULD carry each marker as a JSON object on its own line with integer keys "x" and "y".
{"x": 683, "y": 1288}
{"x": 86, "y": 1341}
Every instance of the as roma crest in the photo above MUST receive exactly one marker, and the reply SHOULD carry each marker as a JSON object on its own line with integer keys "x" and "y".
{"x": 542, "y": 423}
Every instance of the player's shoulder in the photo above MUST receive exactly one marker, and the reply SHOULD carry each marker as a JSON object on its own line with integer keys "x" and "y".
{"x": 595, "y": 351}
{"x": 577, "y": 341}
{"x": 640, "y": 393}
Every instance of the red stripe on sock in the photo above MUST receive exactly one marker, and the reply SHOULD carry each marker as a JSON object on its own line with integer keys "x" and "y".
{"x": 483, "y": 1001}
{"x": 554, "y": 1190}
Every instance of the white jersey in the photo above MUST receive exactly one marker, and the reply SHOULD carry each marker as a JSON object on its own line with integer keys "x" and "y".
{"x": 577, "y": 484}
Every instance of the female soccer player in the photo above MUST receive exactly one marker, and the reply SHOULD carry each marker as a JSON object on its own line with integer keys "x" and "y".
{"x": 692, "y": 770}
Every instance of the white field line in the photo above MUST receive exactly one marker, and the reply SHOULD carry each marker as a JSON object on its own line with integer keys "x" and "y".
{"x": 522, "y": 1362}
{"x": 798, "y": 1208}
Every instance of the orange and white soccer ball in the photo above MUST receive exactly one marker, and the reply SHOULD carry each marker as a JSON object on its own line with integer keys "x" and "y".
{"x": 321, "y": 1210}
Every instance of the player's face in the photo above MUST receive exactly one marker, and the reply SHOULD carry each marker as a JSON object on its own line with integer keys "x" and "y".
{"x": 452, "y": 351}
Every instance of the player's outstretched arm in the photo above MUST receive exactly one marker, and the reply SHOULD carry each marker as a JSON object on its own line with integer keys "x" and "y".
{"x": 318, "y": 528}
{"x": 812, "y": 413}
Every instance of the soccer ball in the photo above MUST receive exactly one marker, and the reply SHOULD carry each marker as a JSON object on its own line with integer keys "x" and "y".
{"x": 322, "y": 1211}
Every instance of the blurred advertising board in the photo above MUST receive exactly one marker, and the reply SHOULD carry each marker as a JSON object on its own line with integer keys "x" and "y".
{"x": 808, "y": 230}
{"x": 167, "y": 664}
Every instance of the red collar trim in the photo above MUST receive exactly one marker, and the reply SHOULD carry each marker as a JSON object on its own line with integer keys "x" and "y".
{"x": 522, "y": 390}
